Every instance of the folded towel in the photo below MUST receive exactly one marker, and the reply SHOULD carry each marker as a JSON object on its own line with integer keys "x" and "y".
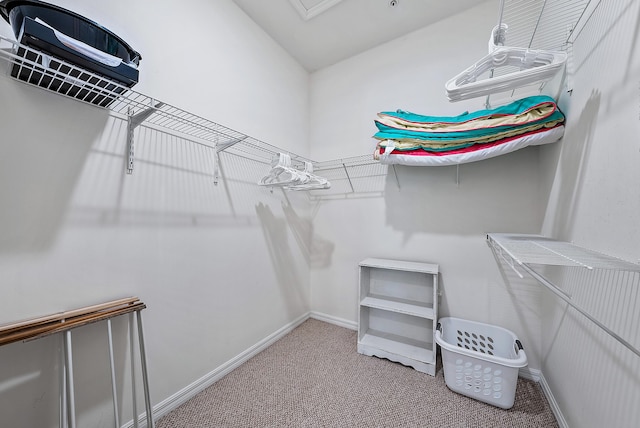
{"x": 387, "y": 155}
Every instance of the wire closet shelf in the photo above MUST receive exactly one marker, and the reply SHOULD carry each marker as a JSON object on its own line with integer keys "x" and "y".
{"x": 75, "y": 82}
{"x": 33, "y": 67}
{"x": 549, "y": 24}
{"x": 536, "y": 249}
{"x": 528, "y": 252}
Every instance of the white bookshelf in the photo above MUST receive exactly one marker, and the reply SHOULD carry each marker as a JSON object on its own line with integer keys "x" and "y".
{"x": 398, "y": 312}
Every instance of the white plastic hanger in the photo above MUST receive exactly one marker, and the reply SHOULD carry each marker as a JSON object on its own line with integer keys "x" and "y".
{"x": 313, "y": 181}
{"x": 282, "y": 173}
{"x": 534, "y": 66}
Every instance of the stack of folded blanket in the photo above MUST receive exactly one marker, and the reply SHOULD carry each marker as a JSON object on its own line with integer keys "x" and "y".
{"x": 411, "y": 139}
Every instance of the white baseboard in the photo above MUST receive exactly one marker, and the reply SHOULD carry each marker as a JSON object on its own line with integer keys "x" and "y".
{"x": 555, "y": 407}
{"x": 188, "y": 392}
{"x": 531, "y": 374}
{"x": 334, "y": 320}
{"x": 537, "y": 376}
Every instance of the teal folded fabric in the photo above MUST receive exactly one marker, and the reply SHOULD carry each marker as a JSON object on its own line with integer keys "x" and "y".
{"x": 388, "y": 133}
{"x": 517, "y": 107}
{"x": 524, "y": 113}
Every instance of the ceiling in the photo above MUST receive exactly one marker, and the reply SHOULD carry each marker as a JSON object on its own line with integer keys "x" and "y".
{"x": 319, "y": 33}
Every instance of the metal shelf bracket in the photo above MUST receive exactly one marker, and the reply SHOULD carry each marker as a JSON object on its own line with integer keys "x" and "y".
{"x": 133, "y": 121}
{"x": 220, "y": 147}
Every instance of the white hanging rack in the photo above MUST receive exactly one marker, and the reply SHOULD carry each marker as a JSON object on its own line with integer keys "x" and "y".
{"x": 142, "y": 110}
{"x": 521, "y": 251}
{"x": 72, "y": 81}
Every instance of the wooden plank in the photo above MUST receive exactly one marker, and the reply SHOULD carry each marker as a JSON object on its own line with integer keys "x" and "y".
{"x": 79, "y": 317}
{"x": 18, "y": 325}
{"x": 90, "y": 319}
{"x": 58, "y": 316}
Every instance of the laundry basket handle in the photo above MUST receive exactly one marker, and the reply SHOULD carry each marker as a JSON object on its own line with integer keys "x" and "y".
{"x": 518, "y": 346}
{"x": 439, "y": 327}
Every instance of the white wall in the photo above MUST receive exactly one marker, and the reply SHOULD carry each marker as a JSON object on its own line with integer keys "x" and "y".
{"x": 595, "y": 202}
{"x": 218, "y": 267}
{"x": 429, "y": 216}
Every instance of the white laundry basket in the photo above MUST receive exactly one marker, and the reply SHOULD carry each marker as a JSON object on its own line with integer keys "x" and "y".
{"x": 480, "y": 360}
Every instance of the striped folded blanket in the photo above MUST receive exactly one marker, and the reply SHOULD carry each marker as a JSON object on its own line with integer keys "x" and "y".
{"x": 410, "y": 131}
{"x": 419, "y": 157}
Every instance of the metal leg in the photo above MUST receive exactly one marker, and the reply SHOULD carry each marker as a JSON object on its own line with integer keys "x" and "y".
{"x": 69, "y": 376}
{"x": 145, "y": 378}
{"x": 134, "y": 394}
{"x": 114, "y": 389}
{"x": 63, "y": 384}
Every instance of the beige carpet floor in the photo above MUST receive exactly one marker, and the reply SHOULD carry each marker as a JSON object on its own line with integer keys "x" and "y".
{"x": 313, "y": 377}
